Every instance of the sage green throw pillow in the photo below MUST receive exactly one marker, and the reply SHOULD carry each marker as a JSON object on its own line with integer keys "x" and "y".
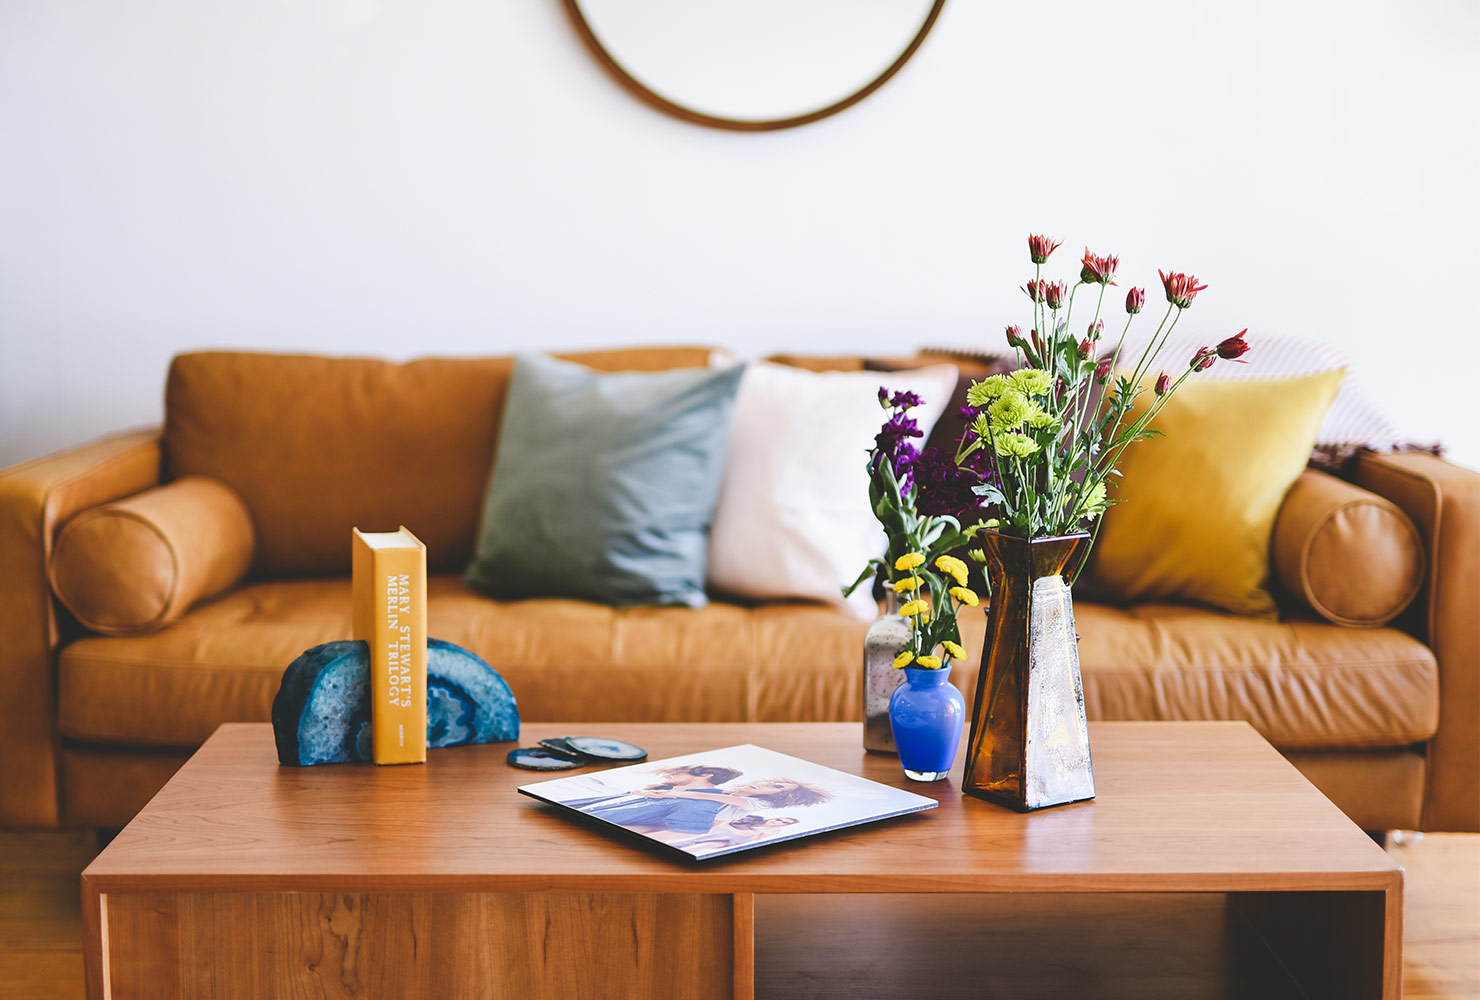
{"x": 604, "y": 485}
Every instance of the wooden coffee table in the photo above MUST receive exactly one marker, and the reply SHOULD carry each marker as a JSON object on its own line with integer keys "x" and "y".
{"x": 1206, "y": 867}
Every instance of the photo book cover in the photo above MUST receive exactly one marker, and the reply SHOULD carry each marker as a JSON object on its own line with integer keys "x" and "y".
{"x": 717, "y": 802}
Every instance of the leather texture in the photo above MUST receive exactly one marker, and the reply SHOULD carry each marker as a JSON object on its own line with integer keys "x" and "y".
{"x": 1349, "y": 555}
{"x": 1444, "y": 502}
{"x": 391, "y": 444}
{"x": 105, "y": 786}
{"x": 1302, "y": 685}
{"x": 136, "y": 565}
{"x": 36, "y": 497}
{"x": 1377, "y": 789}
{"x": 1195, "y": 510}
{"x": 564, "y": 659}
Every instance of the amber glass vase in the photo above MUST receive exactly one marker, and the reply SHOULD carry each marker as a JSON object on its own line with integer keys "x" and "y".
{"x": 1029, "y": 745}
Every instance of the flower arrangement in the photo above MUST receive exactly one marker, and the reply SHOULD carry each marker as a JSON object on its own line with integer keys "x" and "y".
{"x": 918, "y": 567}
{"x": 1038, "y": 454}
{"x": 1047, "y": 436}
{"x": 932, "y": 608}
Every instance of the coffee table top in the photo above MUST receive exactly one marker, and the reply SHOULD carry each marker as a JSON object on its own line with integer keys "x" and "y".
{"x": 1182, "y": 806}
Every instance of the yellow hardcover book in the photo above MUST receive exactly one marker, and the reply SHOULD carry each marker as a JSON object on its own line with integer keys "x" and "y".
{"x": 390, "y": 613}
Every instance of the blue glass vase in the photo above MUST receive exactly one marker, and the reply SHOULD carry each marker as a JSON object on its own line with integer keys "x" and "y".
{"x": 926, "y": 713}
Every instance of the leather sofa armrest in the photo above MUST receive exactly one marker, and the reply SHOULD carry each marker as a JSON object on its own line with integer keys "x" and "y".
{"x": 35, "y": 498}
{"x": 1443, "y": 500}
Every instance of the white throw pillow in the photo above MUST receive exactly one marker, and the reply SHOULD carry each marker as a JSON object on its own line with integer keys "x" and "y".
{"x": 793, "y": 519}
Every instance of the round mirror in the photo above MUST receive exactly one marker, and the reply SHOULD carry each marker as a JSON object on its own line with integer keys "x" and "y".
{"x": 753, "y": 64}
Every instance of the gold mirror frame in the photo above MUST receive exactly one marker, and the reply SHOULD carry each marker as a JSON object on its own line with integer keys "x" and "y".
{"x": 572, "y": 8}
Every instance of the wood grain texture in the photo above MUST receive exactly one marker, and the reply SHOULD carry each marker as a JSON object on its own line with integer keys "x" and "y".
{"x": 492, "y": 946}
{"x": 419, "y": 880}
{"x": 41, "y": 924}
{"x": 1192, "y": 807}
{"x": 40, "y": 942}
{"x": 1441, "y": 915}
{"x": 743, "y": 954}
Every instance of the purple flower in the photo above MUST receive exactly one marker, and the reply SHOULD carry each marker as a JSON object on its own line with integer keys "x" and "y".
{"x": 892, "y": 444}
{"x": 943, "y": 488}
{"x": 905, "y": 401}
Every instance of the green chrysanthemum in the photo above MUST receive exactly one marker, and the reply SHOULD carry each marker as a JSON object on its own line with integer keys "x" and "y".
{"x": 1093, "y": 504}
{"x": 983, "y": 392}
{"x": 1015, "y": 443}
{"x": 1031, "y": 381}
{"x": 1009, "y": 411}
{"x": 1038, "y": 418}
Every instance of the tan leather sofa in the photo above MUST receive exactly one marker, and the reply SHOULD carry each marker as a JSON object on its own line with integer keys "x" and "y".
{"x": 1385, "y": 720}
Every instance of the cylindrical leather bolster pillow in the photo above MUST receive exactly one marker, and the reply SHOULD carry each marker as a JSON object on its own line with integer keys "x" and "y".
{"x": 1351, "y": 555}
{"x": 138, "y": 564}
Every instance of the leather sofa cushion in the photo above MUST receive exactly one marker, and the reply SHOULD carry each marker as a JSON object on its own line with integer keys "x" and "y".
{"x": 319, "y": 445}
{"x": 1351, "y": 556}
{"x": 137, "y": 564}
{"x": 565, "y": 659}
{"x": 1304, "y": 685}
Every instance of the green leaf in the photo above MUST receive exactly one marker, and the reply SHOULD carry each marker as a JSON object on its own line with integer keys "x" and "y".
{"x": 990, "y": 494}
{"x": 869, "y": 571}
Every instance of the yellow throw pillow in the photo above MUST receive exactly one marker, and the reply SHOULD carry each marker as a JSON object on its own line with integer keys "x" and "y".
{"x": 1197, "y": 507}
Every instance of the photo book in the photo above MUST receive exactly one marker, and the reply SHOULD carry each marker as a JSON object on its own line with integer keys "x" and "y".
{"x": 717, "y": 802}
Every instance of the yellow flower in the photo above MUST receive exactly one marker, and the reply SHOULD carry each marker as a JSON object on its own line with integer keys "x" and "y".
{"x": 953, "y": 566}
{"x": 1031, "y": 381}
{"x": 908, "y": 583}
{"x": 903, "y": 659}
{"x": 1008, "y": 411}
{"x": 955, "y": 650}
{"x": 929, "y": 662}
{"x": 914, "y": 608}
{"x": 983, "y": 392}
{"x": 909, "y": 561}
{"x": 1013, "y": 443}
{"x": 966, "y": 597}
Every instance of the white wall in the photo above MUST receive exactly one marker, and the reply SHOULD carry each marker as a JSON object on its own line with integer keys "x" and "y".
{"x": 458, "y": 177}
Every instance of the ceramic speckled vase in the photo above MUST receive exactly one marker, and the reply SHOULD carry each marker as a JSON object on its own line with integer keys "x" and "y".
{"x": 884, "y": 640}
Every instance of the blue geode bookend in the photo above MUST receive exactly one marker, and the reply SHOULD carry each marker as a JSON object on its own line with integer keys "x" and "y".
{"x": 321, "y": 714}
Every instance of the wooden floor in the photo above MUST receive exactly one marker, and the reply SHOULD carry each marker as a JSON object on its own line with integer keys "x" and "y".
{"x": 41, "y": 924}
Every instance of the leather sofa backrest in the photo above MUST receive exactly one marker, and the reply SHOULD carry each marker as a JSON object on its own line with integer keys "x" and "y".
{"x": 318, "y": 445}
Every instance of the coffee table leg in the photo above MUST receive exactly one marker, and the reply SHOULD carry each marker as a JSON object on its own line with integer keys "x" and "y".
{"x": 744, "y": 946}
{"x": 94, "y": 940}
{"x": 1346, "y": 944}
